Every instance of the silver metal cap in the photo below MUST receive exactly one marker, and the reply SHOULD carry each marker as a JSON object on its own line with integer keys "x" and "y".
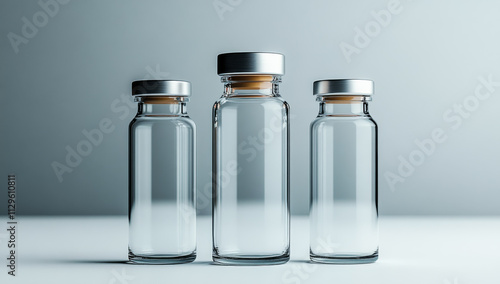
{"x": 165, "y": 88}
{"x": 343, "y": 87}
{"x": 251, "y": 63}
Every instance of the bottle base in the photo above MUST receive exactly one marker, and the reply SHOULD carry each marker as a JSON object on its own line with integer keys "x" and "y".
{"x": 344, "y": 259}
{"x": 251, "y": 260}
{"x": 161, "y": 259}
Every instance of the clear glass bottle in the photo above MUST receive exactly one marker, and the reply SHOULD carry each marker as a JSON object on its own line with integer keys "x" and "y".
{"x": 343, "y": 210}
{"x": 162, "y": 211}
{"x": 250, "y": 162}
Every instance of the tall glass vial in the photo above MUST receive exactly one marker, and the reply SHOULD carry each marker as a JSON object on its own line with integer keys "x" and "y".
{"x": 162, "y": 212}
{"x": 250, "y": 162}
{"x": 343, "y": 211}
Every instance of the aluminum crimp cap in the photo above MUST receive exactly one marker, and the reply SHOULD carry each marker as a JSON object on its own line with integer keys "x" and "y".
{"x": 165, "y": 88}
{"x": 251, "y": 63}
{"x": 342, "y": 87}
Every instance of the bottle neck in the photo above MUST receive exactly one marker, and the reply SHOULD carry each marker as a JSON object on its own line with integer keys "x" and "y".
{"x": 161, "y": 106}
{"x": 343, "y": 106}
{"x": 251, "y": 85}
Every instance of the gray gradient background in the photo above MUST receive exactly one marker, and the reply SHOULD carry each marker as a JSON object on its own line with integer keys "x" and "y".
{"x": 427, "y": 59}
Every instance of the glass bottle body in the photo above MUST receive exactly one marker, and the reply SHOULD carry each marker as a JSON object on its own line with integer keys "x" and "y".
{"x": 162, "y": 212}
{"x": 250, "y": 173}
{"x": 343, "y": 210}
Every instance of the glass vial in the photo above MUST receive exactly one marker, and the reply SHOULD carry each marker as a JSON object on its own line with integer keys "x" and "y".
{"x": 162, "y": 212}
{"x": 250, "y": 162}
{"x": 343, "y": 210}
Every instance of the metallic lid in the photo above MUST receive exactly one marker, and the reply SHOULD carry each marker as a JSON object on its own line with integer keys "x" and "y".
{"x": 251, "y": 63}
{"x": 343, "y": 87}
{"x": 165, "y": 88}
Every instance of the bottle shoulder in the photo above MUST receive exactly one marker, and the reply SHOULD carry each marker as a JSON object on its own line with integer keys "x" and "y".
{"x": 182, "y": 121}
{"x": 365, "y": 120}
{"x": 239, "y": 102}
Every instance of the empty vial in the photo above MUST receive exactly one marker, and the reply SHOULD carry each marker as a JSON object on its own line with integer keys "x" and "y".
{"x": 250, "y": 162}
{"x": 343, "y": 212}
{"x": 162, "y": 213}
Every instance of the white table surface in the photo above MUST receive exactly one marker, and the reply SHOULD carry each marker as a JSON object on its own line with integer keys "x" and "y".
{"x": 438, "y": 250}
